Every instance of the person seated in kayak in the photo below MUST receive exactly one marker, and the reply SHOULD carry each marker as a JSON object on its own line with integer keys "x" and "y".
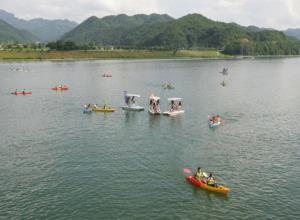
{"x": 24, "y": 91}
{"x": 211, "y": 181}
{"x": 199, "y": 174}
{"x": 16, "y": 92}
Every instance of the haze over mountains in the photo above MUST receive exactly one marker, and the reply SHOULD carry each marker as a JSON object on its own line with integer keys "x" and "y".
{"x": 44, "y": 30}
{"x": 293, "y": 33}
{"x": 9, "y": 33}
{"x": 155, "y": 31}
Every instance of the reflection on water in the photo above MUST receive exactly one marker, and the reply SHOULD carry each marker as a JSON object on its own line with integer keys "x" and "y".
{"x": 154, "y": 121}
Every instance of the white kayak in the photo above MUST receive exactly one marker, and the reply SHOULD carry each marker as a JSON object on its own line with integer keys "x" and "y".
{"x": 173, "y": 113}
{"x": 133, "y": 108}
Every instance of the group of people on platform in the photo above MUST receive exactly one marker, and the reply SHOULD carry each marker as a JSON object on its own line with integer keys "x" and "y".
{"x": 130, "y": 100}
{"x": 175, "y": 106}
{"x": 155, "y": 105}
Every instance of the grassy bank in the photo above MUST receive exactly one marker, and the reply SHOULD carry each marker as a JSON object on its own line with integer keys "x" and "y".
{"x": 112, "y": 54}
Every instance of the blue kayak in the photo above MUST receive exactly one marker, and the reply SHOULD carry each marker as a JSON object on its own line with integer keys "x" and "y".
{"x": 211, "y": 123}
{"x": 87, "y": 111}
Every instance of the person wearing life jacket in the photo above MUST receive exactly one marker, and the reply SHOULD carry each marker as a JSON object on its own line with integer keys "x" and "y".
{"x": 218, "y": 118}
{"x": 211, "y": 181}
{"x": 199, "y": 174}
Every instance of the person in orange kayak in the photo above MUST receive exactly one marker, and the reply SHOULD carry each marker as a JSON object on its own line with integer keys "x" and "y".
{"x": 211, "y": 181}
{"x": 199, "y": 174}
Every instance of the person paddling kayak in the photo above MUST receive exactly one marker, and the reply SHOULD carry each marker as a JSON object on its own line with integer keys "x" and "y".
{"x": 199, "y": 174}
{"x": 211, "y": 181}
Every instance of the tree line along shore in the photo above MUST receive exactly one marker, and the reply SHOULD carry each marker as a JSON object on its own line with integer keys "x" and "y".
{"x": 106, "y": 53}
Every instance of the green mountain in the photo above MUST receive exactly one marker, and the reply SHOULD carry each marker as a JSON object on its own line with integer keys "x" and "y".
{"x": 188, "y": 32}
{"x": 9, "y": 34}
{"x": 45, "y": 30}
{"x": 110, "y": 30}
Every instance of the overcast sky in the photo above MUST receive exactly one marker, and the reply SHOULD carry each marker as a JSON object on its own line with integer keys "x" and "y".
{"x": 280, "y": 14}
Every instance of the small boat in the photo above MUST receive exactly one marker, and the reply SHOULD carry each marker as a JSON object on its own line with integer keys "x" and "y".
{"x": 106, "y": 75}
{"x": 87, "y": 111}
{"x": 21, "y": 93}
{"x": 203, "y": 185}
{"x": 130, "y": 100}
{"x": 175, "y": 107}
{"x": 224, "y": 71}
{"x": 214, "y": 123}
{"x": 168, "y": 85}
{"x": 103, "y": 109}
{"x": 154, "y": 108}
{"x": 60, "y": 88}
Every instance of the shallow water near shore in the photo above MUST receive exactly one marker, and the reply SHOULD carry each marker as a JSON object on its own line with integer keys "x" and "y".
{"x": 57, "y": 163}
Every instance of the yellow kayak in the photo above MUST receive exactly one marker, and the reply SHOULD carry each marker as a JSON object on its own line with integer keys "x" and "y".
{"x": 218, "y": 189}
{"x": 105, "y": 109}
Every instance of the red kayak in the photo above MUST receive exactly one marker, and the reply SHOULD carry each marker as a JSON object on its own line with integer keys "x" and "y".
{"x": 203, "y": 185}
{"x": 106, "y": 75}
{"x": 60, "y": 89}
{"x": 21, "y": 93}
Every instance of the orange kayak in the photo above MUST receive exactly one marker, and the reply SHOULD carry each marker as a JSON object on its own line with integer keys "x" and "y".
{"x": 203, "y": 185}
{"x": 60, "y": 89}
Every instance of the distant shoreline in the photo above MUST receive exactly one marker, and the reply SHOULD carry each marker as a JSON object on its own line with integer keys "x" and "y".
{"x": 108, "y": 54}
{"x": 14, "y": 55}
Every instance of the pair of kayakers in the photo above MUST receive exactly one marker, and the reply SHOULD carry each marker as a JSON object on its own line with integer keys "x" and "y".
{"x": 199, "y": 175}
{"x": 216, "y": 119}
{"x": 97, "y": 106}
{"x": 23, "y": 92}
{"x": 88, "y": 106}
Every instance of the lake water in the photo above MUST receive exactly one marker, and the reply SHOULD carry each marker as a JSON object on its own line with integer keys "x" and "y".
{"x": 57, "y": 163}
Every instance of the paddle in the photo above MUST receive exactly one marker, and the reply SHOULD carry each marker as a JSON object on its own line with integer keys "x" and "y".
{"x": 187, "y": 170}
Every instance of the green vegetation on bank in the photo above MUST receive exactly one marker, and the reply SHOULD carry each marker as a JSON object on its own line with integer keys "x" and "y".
{"x": 108, "y": 54}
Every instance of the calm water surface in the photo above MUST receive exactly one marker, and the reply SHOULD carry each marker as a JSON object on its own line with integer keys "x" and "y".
{"x": 57, "y": 163}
